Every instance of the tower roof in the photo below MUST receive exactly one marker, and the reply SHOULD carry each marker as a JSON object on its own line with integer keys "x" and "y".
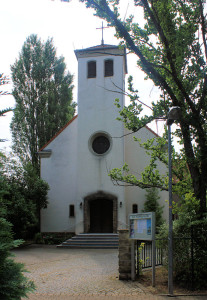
{"x": 103, "y": 49}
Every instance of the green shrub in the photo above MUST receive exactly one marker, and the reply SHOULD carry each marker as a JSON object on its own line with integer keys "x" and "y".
{"x": 152, "y": 205}
{"x": 38, "y": 238}
{"x": 52, "y": 238}
{"x": 189, "y": 245}
{"x": 24, "y": 195}
{"x": 13, "y": 284}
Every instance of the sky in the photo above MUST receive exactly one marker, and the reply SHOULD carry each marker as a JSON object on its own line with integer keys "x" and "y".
{"x": 72, "y": 26}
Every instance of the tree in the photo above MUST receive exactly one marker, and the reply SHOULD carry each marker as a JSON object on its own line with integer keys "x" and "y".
{"x": 190, "y": 235}
{"x": 3, "y": 80}
{"x": 43, "y": 94}
{"x": 152, "y": 204}
{"x": 25, "y": 194}
{"x": 172, "y": 52}
{"x": 13, "y": 283}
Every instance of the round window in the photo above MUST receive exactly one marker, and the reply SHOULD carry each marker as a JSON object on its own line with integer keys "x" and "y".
{"x": 100, "y": 143}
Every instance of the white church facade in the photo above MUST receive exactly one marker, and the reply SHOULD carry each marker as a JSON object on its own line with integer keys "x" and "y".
{"x": 76, "y": 162}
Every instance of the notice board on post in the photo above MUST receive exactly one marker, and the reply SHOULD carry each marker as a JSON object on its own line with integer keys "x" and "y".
{"x": 142, "y": 226}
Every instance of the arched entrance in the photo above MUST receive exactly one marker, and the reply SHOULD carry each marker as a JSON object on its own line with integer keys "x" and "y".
{"x": 100, "y": 213}
{"x": 101, "y": 216}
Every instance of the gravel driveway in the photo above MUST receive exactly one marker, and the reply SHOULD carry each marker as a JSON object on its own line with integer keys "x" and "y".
{"x": 58, "y": 273}
{"x": 77, "y": 274}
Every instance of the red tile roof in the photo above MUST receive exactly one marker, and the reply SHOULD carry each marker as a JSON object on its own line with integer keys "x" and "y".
{"x": 157, "y": 135}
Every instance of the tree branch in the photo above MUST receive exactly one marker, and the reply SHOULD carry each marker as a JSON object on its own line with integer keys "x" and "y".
{"x": 127, "y": 94}
{"x": 150, "y": 70}
{"x": 203, "y": 27}
{"x": 141, "y": 185}
{"x": 169, "y": 55}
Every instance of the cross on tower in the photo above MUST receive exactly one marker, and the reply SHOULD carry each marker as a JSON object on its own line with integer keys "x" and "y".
{"x": 102, "y": 27}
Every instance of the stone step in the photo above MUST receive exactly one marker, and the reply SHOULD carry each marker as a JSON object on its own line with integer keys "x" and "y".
{"x": 95, "y": 238}
{"x": 92, "y": 240}
{"x": 88, "y": 246}
{"x": 101, "y": 235}
{"x": 98, "y": 234}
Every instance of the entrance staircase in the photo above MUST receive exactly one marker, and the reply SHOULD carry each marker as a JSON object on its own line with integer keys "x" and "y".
{"x": 92, "y": 241}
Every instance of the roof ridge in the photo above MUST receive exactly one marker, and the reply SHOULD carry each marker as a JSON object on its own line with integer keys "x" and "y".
{"x": 99, "y": 46}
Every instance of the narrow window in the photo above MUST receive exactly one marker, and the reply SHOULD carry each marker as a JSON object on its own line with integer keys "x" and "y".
{"x": 134, "y": 208}
{"x": 71, "y": 211}
{"x": 91, "y": 69}
{"x": 109, "y": 68}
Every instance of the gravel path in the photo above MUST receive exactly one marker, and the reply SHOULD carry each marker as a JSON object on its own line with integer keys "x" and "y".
{"x": 77, "y": 274}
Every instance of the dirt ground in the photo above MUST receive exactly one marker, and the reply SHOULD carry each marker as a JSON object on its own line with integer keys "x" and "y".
{"x": 161, "y": 283}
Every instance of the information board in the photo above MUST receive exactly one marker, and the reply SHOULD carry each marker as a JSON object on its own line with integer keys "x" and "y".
{"x": 142, "y": 226}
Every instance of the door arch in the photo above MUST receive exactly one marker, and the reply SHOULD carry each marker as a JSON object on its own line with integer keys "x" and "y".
{"x": 100, "y": 213}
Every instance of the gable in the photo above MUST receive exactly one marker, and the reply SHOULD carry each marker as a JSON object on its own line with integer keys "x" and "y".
{"x": 58, "y": 133}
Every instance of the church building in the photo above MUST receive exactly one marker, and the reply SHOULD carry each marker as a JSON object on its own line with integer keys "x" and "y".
{"x": 76, "y": 161}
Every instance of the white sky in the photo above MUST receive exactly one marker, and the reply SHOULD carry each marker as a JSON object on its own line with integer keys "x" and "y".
{"x": 71, "y": 26}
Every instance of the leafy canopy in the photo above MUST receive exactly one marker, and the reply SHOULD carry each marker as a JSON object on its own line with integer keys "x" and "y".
{"x": 3, "y": 80}
{"x": 23, "y": 194}
{"x": 43, "y": 94}
{"x": 13, "y": 283}
{"x": 171, "y": 49}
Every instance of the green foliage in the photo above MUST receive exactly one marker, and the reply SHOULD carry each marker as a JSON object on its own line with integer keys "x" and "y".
{"x": 43, "y": 94}
{"x": 189, "y": 234}
{"x": 3, "y": 80}
{"x": 38, "y": 238}
{"x": 187, "y": 210}
{"x": 152, "y": 205}
{"x": 171, "y": 48}
{"x": 24, "y": 194}
{"x": 150, "y": 177}
{"x": 52, "y": 238}
{"x": 13, "y": 284}
{"x": 141, "y": 262}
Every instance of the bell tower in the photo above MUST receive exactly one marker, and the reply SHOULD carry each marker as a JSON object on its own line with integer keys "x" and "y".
{"x": 101, "y": 79}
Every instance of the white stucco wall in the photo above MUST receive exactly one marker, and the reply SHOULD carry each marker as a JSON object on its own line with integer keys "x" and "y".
{"x": 97, "y": 113}
{"x": 137, "y": 160}
{"x": 59, "y": 170}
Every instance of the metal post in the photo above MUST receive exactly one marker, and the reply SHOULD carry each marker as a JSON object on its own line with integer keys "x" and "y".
{"x": 170, "y": 234}
{"x": 132, "y": 261}
{"x": 192, "y": 259}
{"x": 153, "y": 262}
{"x": 138, "y": 257}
